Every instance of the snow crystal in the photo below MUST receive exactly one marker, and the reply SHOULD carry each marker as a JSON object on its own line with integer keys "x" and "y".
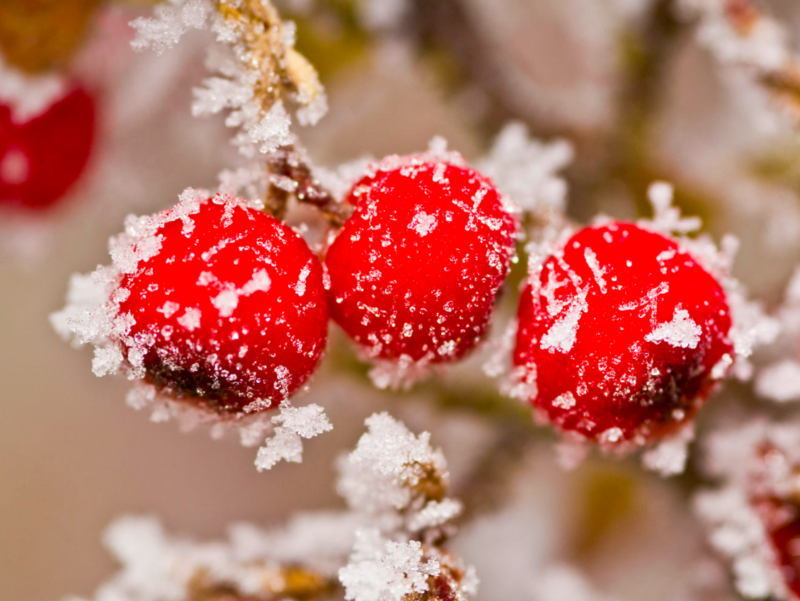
{"x": 293, "y": 424}
{"x": 561, "y": 335}
{"x": 525, "y": 169}
{"x": 382, "y": 570}
{"x": 396, "y": 478}
{"x": 668, "y": 458}
{"x": 170, "y": 22}
{"x": 423, "y": 224}
{"x": 667, "y": 218}
{"x": 564, "y": 401}
{"x": 190, "y": 319}
{"x": 227, "y": 300}
{"x": 597, "y": 271}
{"x": 434, "y": 513}
{"x": 681, "y": 332}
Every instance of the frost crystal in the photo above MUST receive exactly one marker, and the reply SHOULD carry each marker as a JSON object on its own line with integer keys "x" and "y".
{"x": 170, "y": 22}
{"x": 681, "y": 332}
{"x": 326, "y": 551}
{"x": 390, "y": 469}
{"x": 382, "y": 570}
{"x": 293, "y": 424}
{"x": 525, "y": 169}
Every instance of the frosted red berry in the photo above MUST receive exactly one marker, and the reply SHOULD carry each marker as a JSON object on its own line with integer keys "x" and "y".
{"x": 415, "y": 270}
{"x": 621, "y": 335}
{"x": 230, "y": 311}
{"x": 41, "y": 158}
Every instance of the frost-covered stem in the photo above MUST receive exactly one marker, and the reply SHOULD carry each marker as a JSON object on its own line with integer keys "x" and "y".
{"x": 280, "y": 67}
{"x": 290, "y": 174}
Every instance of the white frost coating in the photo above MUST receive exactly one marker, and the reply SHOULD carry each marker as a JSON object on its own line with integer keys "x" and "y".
{"x": 681, "y": 332}
{"x": 373, "y": 564}
{"x": 780, "y": 382}
{"x": 564, "y": 401}
{"x": 190, "y": 319}
{"x": 667, "y": 218}
{"x": 170, "y": 22}
{"x": 387, "y": 462}
{"x": 382, "y": 570}
{"x": 227, "y": 300}
{"x": 561, "y": 335}
{"x": 233, "y": 87}
{"x": 28, "y": 96}
{"x": 524, "y": 169}
{"x": 668, "y": 458}
{"x": 597, "y": 271}
{"x": 158, "y": 567}
{"x": 433, "y": 514}
{"x": 423, "y": 224}
{"x": 293, "y": 424}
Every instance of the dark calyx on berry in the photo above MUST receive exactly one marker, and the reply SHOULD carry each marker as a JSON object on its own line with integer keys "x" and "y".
{"x": 620, "y": 333}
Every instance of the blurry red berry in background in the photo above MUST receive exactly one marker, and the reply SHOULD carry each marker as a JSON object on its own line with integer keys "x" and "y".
{"x": 43, "y": 157}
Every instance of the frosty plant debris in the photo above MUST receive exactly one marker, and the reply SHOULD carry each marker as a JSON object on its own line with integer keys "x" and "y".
{"x": 325, "y": 555}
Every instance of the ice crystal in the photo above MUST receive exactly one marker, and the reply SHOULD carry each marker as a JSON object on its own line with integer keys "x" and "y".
{"x": 526, "y": 169}
{"x": 383, "y": 570}
{"x": 293, "y": 424}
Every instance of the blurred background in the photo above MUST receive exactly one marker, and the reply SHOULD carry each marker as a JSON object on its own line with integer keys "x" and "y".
{"x": 73, "y": 456}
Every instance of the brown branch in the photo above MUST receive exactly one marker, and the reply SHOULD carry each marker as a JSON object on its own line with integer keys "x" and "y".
{"x": 291, "y": 175}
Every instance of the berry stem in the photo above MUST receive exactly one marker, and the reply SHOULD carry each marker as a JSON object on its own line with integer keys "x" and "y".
{"x": 289, "y": 163}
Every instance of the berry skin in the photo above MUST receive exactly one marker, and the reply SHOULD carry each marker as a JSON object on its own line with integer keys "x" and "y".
{"x": 42, "y": 158}
{"x": 229, "y": 311}
{"x": 618, "y": 335}
{"x": 415, "y": 270}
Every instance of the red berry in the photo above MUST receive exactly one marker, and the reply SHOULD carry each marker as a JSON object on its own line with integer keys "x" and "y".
{"x": 414, "y": 272}
{"x": 781, "y": 519}
{"x": 619, "y": 334}
{"x": 230, "y": 310}
{"x": 40, "y": 159}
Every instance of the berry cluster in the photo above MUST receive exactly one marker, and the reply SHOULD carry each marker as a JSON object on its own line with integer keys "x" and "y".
{"x": 621, "y": 333}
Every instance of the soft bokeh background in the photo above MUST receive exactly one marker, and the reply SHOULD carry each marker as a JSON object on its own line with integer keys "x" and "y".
{"x": 73, "y": 456}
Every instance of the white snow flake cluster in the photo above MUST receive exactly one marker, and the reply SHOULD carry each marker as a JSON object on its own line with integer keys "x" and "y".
{"x": 525, "y": 169}
{"x": 370, "y": 557}
{"x": 755, "y": 461}
{"x": 234, "y": 85}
